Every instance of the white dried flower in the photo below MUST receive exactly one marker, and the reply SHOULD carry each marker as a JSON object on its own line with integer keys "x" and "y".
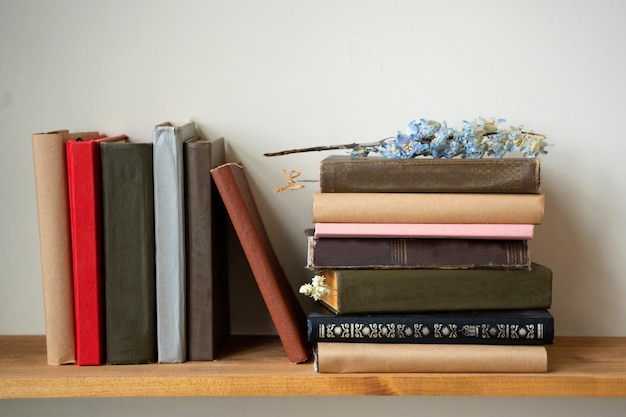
{"x": 316, "y": 289}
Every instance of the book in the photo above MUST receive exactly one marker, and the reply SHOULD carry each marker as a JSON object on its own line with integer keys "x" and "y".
{"x": 489, "y": 327}
{"x": 128, "y": 252}
{"x": 282, "y": 304}
{"x": 345, "y": 174}
{"x": 359, "y": 253}
{"x": 372, "y": 291}
{"x": 169, "y": 239}
{"x": 428, "y": 208}
{"x": 377, "y": 357}
{"x": 53, "y": 214}
{"x": 426, "y": 230}
{"x": 83, "y": 173}
{"x": 208, "y": 321}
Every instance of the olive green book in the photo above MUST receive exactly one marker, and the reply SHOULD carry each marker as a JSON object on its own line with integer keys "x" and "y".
{"x": 372, "y": 291}
{"x": 128, "y": 252}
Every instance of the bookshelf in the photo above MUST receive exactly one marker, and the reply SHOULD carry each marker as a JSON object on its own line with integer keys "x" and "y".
{"x": 258, "y": 366}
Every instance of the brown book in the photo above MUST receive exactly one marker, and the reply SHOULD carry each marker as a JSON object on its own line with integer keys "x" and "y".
{"x": 51, "y": 186}
{"x": 280, "y": 299}
{"x": 378, "y": 357}
{"x": 128, "y": 252}
{"x": 428, "y": 208}
{"x": 208, "y": 322}
{"x": 371, "y": 291}
{"x": 345, "y": 174}
{"x": 359, "y": 253}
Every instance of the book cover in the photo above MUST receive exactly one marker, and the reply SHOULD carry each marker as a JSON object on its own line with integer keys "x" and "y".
{"x": 428, "y": 208}
{"x": 360, "y": 253}
{"x": 345, "y": 174}
{"x": 169, "y": 239}
{"x": 83, "y": 172}
{"x": 371, "y": 291}
{"x": 377, "y": 357}
{"x": 427, "y": 230}
{"x": 489, "y": 327}
{"x": 285, "y": 311}
{"x": 128, "y": 252}
{"x": 208, "y": 321}
{"x": 53, "y": 214}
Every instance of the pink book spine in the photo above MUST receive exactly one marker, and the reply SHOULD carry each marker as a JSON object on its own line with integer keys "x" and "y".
{"x": 423, "y": 230}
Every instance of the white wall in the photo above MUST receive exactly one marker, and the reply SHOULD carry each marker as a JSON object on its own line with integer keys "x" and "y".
{"x": 279, "y": 74}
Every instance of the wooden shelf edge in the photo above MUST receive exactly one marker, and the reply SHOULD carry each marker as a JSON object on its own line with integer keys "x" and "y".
{"x": 258, "y": 366}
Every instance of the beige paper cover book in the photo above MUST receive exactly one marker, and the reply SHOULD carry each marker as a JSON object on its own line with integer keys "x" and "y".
{"x": 50, "y": 163}
{"x": 428, "y": 208}
{"x": 382, "y": 357}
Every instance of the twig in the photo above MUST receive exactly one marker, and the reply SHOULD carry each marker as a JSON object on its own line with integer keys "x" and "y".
{"x": 326, "y": 148}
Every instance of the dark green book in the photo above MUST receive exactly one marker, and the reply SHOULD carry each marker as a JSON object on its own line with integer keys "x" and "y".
{"x": 371, "y": 291}
{"x": 128, "y": 258}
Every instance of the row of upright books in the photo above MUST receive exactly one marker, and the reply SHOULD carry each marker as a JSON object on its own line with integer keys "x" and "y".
{"x": 425, "y": 266}
{"x": 132, "y": 246}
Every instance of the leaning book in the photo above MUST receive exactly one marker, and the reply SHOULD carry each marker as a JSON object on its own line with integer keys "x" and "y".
{"x": 280, "y": 300}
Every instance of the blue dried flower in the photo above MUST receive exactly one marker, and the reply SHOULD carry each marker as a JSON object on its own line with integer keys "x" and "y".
{"x": 475, "y": 139}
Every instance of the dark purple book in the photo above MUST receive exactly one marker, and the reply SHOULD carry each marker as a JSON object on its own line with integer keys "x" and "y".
{"x": 388, "y": 253}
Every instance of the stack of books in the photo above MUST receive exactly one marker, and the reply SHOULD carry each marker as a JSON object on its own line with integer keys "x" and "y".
{"x": 427, "y": 268}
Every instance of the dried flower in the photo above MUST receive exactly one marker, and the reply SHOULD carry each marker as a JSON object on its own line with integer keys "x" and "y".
{"x": 316, "y": 289}
{"x": 474, "y": 139}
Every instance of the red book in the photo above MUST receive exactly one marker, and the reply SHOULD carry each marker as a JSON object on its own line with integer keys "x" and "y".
{"x": 83, "y": 171}
{"x": 281, "y": 302}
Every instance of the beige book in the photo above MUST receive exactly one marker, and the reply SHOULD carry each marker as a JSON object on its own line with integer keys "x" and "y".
{"x": 379, "y": 357}
{"x": 49, "y": 160}
{"x": 428, "y": 208}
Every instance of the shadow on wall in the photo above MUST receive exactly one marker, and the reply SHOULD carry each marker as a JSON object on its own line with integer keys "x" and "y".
{"x": 581, "y": 281}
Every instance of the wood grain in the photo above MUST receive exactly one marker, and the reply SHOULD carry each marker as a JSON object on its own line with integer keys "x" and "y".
{"x": 258, "y": 366}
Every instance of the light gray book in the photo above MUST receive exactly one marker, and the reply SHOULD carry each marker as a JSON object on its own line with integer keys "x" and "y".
{"x": 169, "y": 219}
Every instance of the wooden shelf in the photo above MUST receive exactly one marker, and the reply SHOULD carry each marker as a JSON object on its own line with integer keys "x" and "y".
{"x": 258, "y": 366}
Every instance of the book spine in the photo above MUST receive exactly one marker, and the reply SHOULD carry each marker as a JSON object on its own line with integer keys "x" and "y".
{"x": 369, "y": 291}
{"x": 128, "y": 252}
{"x": 285, "y": 311}
{"x": 525, "y": 327}
{"x": 50, "y": 169}
{"x": 426, "y": 230}
{"x": 372, "y": 357}
{"x": 344, "y": 174}
{"x": 428, "y": 208}
{"x": 357, "y": 253}
{"x": 207, "y": 280}
{"x": 169, "y": 243}
{"x": 83, "y": 167}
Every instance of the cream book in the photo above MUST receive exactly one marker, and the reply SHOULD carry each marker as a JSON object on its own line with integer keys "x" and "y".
{"x": 51, "y": 186}
{"x": 384, "y": 357}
